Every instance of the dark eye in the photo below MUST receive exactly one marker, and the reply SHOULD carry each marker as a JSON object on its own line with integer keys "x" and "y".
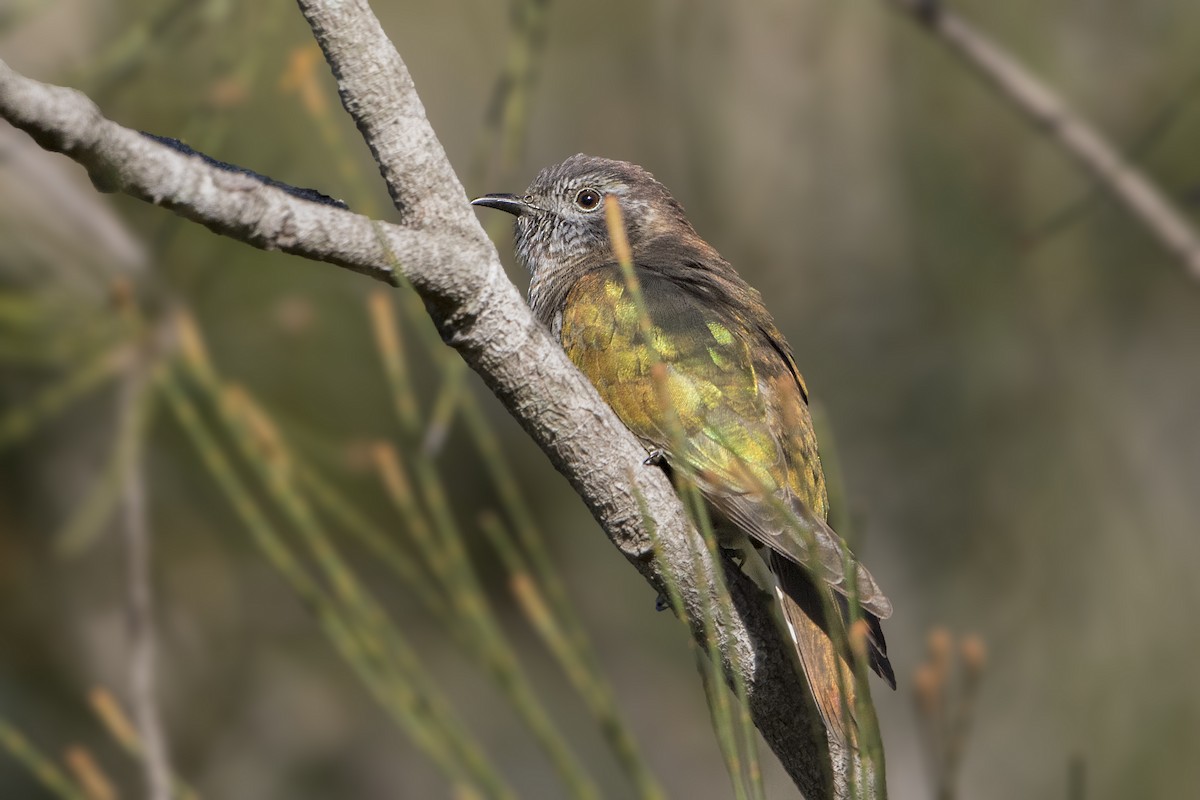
{"x": 587, "y": 199}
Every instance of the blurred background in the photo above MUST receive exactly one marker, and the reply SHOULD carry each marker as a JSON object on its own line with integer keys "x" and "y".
{"x": 1008, "y": 367}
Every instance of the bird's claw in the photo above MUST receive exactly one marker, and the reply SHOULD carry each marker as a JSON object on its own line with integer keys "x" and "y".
{"x": 656, "y": 458}
{"x": 735, "y": 555}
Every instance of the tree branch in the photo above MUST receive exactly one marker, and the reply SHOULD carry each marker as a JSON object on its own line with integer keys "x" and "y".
{"x": 444, "y": 253}
{"x": 143, "y": 683}
{"x": 1048, "y": 113}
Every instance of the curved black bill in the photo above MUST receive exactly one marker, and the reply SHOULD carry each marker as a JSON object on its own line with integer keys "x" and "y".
{"x": 504, "y": 202}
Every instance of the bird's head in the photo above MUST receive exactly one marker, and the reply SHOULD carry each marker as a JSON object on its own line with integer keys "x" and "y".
{"x": 560, "y": 224}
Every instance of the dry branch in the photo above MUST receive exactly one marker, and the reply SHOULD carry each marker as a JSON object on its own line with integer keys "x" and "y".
{"x": 1049, "y": 114}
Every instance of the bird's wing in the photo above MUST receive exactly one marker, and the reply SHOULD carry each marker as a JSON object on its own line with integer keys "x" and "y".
{"x": 793, "y": 531}
{"x": 744, "y": 433}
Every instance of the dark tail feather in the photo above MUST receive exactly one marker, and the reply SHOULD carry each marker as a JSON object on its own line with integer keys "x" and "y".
{"x": 807, "y": 622}
{"x": 802, "y": 608}
{"x": 876, "y": 645}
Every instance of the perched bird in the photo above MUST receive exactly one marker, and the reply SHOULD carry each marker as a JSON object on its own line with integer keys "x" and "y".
{"x": 741, "y": 428}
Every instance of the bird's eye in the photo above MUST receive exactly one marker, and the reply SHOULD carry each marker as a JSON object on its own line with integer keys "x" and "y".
{"x": 587, "y": 199}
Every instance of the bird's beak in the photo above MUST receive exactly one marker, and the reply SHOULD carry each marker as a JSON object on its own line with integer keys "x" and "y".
{"x": 504, "y": 202}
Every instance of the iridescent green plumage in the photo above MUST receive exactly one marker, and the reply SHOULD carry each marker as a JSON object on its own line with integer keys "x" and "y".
{"x": 726, "y": 397}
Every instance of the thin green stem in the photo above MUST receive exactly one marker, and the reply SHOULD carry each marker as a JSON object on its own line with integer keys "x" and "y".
{"x": 441, "y": 546}
{"x": 440, "y": 540}
{"x": 121, "y": 728}
{"x": 375, "y": 540}
{"x": 596, "y": 693}
{"x": 42, "y": 768}
{"x": 98, "y": 506}
{"x": 19, "y": 422}
{"x": 413, "y": 710}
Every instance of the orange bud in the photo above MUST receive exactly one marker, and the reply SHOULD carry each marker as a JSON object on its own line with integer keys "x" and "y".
{"x": 294, "y": 314}
{"x": 87, "y": 772}
{"x": 114, "y": 719}
{"x": 859, "y": 633}
{"x": 121, "y": 292}
{"x": 941, "y": 644}
{"x": 228, "y": 92}
{"x": 974, "y": 654}
{"x": 926, "y": 688}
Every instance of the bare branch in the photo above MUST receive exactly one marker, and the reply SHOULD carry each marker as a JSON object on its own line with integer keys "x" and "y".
{"x": 229, "y": 203}
{"x": 1050, "y": 114}
{"x": 143, "y": 681}
{"x": 448, "y": 259}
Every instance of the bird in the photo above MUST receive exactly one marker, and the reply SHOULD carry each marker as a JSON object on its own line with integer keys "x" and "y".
{"x": 738, "y": 423}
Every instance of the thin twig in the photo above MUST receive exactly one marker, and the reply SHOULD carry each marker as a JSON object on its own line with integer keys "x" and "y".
{"x": 507, "y": 118}
{"x": 1049, "y": 114}
{"x": 1163, "y": 121}
{"x": 119, "y": 727}
{"x": 143, "y": 683}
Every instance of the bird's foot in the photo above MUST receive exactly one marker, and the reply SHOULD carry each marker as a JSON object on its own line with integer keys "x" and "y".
{"x": 735, "y": 555}
{"x": 656, "y": 458}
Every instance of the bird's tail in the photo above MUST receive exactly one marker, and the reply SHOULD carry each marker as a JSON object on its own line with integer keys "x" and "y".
{"x": 827, "y": 669}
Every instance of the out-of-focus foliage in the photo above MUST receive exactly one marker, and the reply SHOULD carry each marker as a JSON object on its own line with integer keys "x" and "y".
{"x": 1013, "y": 400}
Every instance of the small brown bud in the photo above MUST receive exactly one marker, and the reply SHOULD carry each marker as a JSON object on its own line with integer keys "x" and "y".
{"x": 87, "y": 772}
{"x": 927, "y": 686}
{"x": 228, "y": 92}
{"x": 294, "y": 314}
{"x": 859, "y": 634}
{"x": 941, "y": 644}
{"x": 358, "y": 455}
{"x": 974, "y": 654}
{"x": 105, "y": 705}
{"x": 121, "y": 292}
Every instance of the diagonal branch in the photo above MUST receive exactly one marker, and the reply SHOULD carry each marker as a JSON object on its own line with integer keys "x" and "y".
{"x": 1049, "y": 114}
{"x": 445, "y": 255}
